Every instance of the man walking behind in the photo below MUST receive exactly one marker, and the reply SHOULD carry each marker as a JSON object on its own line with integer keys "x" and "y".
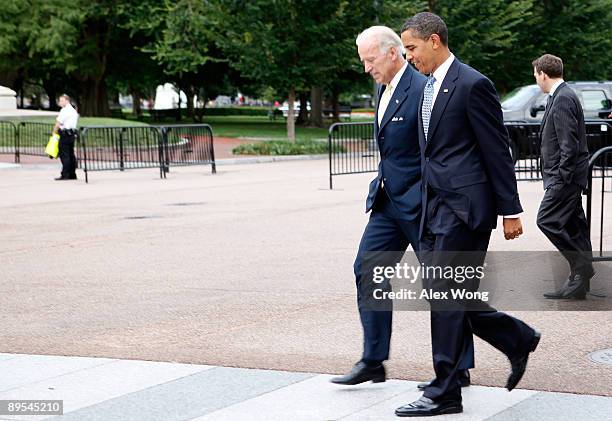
{"x": 565, "y": 163}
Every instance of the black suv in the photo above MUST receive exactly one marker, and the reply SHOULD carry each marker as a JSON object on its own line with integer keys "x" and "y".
{"x": 526, "y": 104}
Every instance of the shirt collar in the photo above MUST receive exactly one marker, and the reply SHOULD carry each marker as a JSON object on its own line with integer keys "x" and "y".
{"x": 396, "y": 79}
{"x": 554, "y": 87}
{"x": 442, "y": 70}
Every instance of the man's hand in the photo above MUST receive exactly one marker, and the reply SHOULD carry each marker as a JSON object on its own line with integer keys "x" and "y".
{"x": 512, "y": 228}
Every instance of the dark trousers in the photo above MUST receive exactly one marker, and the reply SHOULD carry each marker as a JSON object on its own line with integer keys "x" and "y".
{"x": 66, "y": 155}
{"x": 561, "y": 218}
{"x": 385, "y": 232}
{"x": 452, "y": 326}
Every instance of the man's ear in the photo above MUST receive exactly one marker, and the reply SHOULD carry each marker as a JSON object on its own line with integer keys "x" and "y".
{"x": 435, "y": 39}
{"x": 395, "y": 53}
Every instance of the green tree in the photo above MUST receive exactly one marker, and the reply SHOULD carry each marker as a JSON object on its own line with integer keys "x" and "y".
{"x": 296, "y": 45}
{"x": 182, "y": 41}
{"x": 578, "y": 31}
{"x": 490, "y": 35}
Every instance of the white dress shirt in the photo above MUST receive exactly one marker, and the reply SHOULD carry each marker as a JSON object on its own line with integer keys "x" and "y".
{"x": 439, "y": 74}
{"x": 554, "y": 87}
{"x": 68, "y": 117}
{"x": 388, "y": 93}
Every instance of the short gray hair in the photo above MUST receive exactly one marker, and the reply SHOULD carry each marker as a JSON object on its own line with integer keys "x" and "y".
{"x": 385, "y": 38}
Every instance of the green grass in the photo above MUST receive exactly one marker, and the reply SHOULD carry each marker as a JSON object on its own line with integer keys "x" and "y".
{"x": 260, "y": 127}
{"x": 256, "y": 127}
{"x": 282, "y": 147}
{"x": 83, "y": 121}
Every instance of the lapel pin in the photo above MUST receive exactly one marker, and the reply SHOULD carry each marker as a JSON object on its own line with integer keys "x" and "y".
{"x": 445, "y": 90}
{"x": 397, "y": 101}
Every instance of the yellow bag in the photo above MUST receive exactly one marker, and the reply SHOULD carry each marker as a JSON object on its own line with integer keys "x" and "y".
{"x": 52, "y": 148}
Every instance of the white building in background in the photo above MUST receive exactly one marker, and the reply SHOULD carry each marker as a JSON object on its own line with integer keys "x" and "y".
{"x": 166, "y": 97}
{"x": 8, "y": 99}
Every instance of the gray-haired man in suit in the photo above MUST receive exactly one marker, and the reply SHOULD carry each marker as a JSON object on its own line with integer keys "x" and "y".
{"x": 565, "y": 162}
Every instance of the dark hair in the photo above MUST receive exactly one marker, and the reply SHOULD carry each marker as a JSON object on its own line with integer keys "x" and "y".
{"x": 549, "y": 64}
{"x": 426, "y": 24}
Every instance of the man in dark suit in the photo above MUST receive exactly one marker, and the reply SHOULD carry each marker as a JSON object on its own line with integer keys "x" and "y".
{"x": 395, "y": 194}
{"x": 467, "y": 181}
{"x": 565, "y": 164}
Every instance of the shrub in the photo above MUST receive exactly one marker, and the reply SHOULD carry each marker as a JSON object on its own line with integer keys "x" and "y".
{"x": 282, "y": 147}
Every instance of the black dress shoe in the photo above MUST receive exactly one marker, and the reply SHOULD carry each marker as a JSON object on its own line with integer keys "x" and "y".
{"x": 464, "y": 379}
{"x": 519, "y": 365}
{"x": 425, "y": 407}
{"x": 587, "y": 275}
{"x": 575, "y": 288}
{"x": 362, "y": 373}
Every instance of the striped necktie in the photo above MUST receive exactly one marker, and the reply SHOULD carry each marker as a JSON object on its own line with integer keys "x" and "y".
{"x": 428, "y": 94}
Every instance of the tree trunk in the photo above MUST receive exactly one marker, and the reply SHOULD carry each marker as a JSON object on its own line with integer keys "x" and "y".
{"x": 51, "y": 91}
{"x": 303, "y": 115}
{"x": 335, "y": 103}
{"x": 94, "y": 99}
{"x": 20, "y": 85}
{"x": 189, "y": 93}
{"x": 136, "y": 110}
{"x": 291, "y": 116}
{"x": 316, "y": 106}
{"x": 199, "y": 112}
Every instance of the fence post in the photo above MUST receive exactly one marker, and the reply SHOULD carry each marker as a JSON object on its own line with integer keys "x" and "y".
{"x": 166, "y": 152}
{"x": 17, "y": 142}
{"x": 329, "y": 152}
{"x": 83, "y": 141}
{"x": 162, "y": 136}
{"x": 212, "y": 151}
{"x": 601, "y": 153}
{"x": 121, "y": 158}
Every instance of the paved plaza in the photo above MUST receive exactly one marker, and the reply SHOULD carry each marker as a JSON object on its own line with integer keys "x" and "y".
{"x": 231, "y": 296}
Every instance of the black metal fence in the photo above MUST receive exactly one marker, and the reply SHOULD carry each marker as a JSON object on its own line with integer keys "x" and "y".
{"x": 188, "y": 145}
{"x": 526, "y": 152}
{"x": 8, "y": 138}
{"x": 600, "y": 177}
{"x": 353, "y": 149}
{"x": 105, "y": 148}
{"x": 32, "y": 138}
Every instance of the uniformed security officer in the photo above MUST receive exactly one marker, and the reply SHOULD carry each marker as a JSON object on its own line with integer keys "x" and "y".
{"x": 66, "y": 127}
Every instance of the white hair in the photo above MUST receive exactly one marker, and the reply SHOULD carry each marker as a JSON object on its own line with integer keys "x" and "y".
{"x": 385, "y": 38}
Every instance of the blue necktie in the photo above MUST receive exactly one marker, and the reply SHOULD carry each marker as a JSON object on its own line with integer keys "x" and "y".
{"x": 428, "y": 94}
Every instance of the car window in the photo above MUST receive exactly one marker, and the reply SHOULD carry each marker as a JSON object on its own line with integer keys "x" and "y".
{"x": 593, "y": 100}
{"x": 541, "y": 100}
{"x": 519, "y": 97}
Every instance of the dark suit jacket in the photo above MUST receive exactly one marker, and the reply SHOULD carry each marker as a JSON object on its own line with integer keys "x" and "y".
{"x": 397, "y": 138}
{"x": 466, "y": 160}
{"x": 565, "y": 156}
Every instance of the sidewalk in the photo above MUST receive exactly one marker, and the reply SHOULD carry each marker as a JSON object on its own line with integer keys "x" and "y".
{"x": 250, "y": 267}
{"x": 111, "y": 389}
